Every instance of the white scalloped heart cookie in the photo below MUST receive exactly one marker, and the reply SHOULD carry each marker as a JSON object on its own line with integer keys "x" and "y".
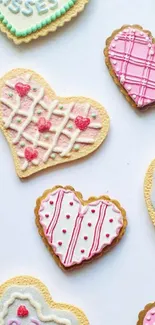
{"x": 24, "y": 20}
{"x": 25, "y": 300}
{"x": 43, "y": 129}
{"x": 76, "y": 231}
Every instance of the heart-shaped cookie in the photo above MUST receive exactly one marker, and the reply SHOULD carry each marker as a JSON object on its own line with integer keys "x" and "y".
{"x": 147, "y": 316}
{"x": 74, "y": 230}
{"x": 41, "y": 128}
{"x": 26, "y": 300}
{"x": 24, "y": 20}
{"x": 130, "y": 57}
{"x": 149, "y": 190}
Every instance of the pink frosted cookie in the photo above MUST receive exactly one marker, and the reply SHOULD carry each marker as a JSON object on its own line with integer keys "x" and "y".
{"x": 25, "y": 300}
{"x": 43, "y": 129}
{"x": 74, "y": 230}
{"x": 130, "y": 57}
{"x": 147, "y": 316}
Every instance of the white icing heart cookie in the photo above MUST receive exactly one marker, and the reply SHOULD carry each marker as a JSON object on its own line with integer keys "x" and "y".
{"x": 43, "y": 129}
{"x": 149, "y": 190}
{"x": 147, "y": 316}
{"x": 130, "y": 58}
{"x": 24, "y": 20}
{"x": 75, "y": 230}
{"x": 26, "y": 301}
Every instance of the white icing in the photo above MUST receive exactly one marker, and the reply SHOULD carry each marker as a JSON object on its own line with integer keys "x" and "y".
{"x": 36, "y": 305}
{"x": 22, "y": 22}
{"x": 39, "y": 311}
{"x": 69, "y": 224}
{"x": 37, "y": 98}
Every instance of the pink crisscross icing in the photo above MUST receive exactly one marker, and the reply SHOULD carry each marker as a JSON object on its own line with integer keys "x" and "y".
{"x": 41, "y": 128}
{"x": 132, "y": 55}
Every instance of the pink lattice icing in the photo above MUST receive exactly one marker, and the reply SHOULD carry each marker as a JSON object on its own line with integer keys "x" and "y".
{"x": 42, "y": 129}
{"x": 149, "y": 318}
{"x": 132, "y": 55}
{"x": 77, "y": 232}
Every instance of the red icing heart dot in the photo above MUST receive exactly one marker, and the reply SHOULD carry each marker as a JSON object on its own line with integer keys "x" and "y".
{"x": 89, "y": 224}
{"x": 51, "y": 202}
{"x": 82, "y": 251}
{"x": 64, "y": 231}
{"x": 30, "y": 153}
{"x": 85, "y": 237}
{"x": 22, "y": 311}
{"x": 82, "y": 122}
{"x": 22, "y": 89}
{"x": 71, "y": 203}
{"x": 68, "y": 216}
{"x": 107, "y": 235}
{"x": 111, "y": 220}
{"x": 47, "y": 215}
{"x": 60, "y": 243}
{"x": 43, "y": 125}
{"x": 93, "y": 211}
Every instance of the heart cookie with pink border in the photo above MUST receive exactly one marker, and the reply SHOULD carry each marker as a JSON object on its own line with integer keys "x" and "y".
{"x": 76, "y": 231}
{"x": 147, "y": 316}
{"x": 130, "y": 58}
{"x": 24, "y": 20}
{"x": 43, "y": 129}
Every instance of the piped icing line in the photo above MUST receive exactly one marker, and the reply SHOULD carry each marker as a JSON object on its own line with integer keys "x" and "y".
{"x": 52, "y": 110}
{"x": 60, "y": 12}
{"x": 132, "y": 56}
{"x": 99, "y": 224}
{"x": 36, "y": 305}
{"x": 94, "y": 225}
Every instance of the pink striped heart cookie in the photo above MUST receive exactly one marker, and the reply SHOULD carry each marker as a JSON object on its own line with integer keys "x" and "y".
{"x": 147, "y": 316}
{"x": 130, "y": 57}
{"x": 74, "y": 230}
{"x": 44, "y": 130}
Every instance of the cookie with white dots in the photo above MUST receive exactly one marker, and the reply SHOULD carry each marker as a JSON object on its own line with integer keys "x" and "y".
{"x": 76, "y": 230}
{"x": 43, "y": 129}
{"x": 130, "y": 58}
{"x": 147, "y": 315}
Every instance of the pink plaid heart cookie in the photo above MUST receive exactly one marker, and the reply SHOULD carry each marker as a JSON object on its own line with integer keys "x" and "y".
{"x": 130, "y": 57}
{"x": 147, "y": 316}
{"x": 74, "y": 230}
{"x": 43, "y": 129}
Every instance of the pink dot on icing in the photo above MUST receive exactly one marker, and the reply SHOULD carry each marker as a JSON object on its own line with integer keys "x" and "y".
{"x": 148, "y": 317}
{"x": 85, "y": 237}
{"x": 93, "y": 211}
{"x": 51, "y": 202}
{"x": 47, "y": 215}
{"x": 64, "y": 231}
{"x": 68, "y": 216}
{"x": 89, "y": 224}
{"x": 71, "y": 203}
{"x": 111, "y": 220}
{"x": 60, "y": 243}
{"x": 82, "y": 251}
{"x": 107, "y": 235}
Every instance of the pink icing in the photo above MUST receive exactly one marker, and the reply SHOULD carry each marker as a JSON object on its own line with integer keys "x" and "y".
{"x": 41, "y": 127}
{"x": 86, "y": 233}
{"x": 149, "y": 318}
{"x": 132, "y": 55}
